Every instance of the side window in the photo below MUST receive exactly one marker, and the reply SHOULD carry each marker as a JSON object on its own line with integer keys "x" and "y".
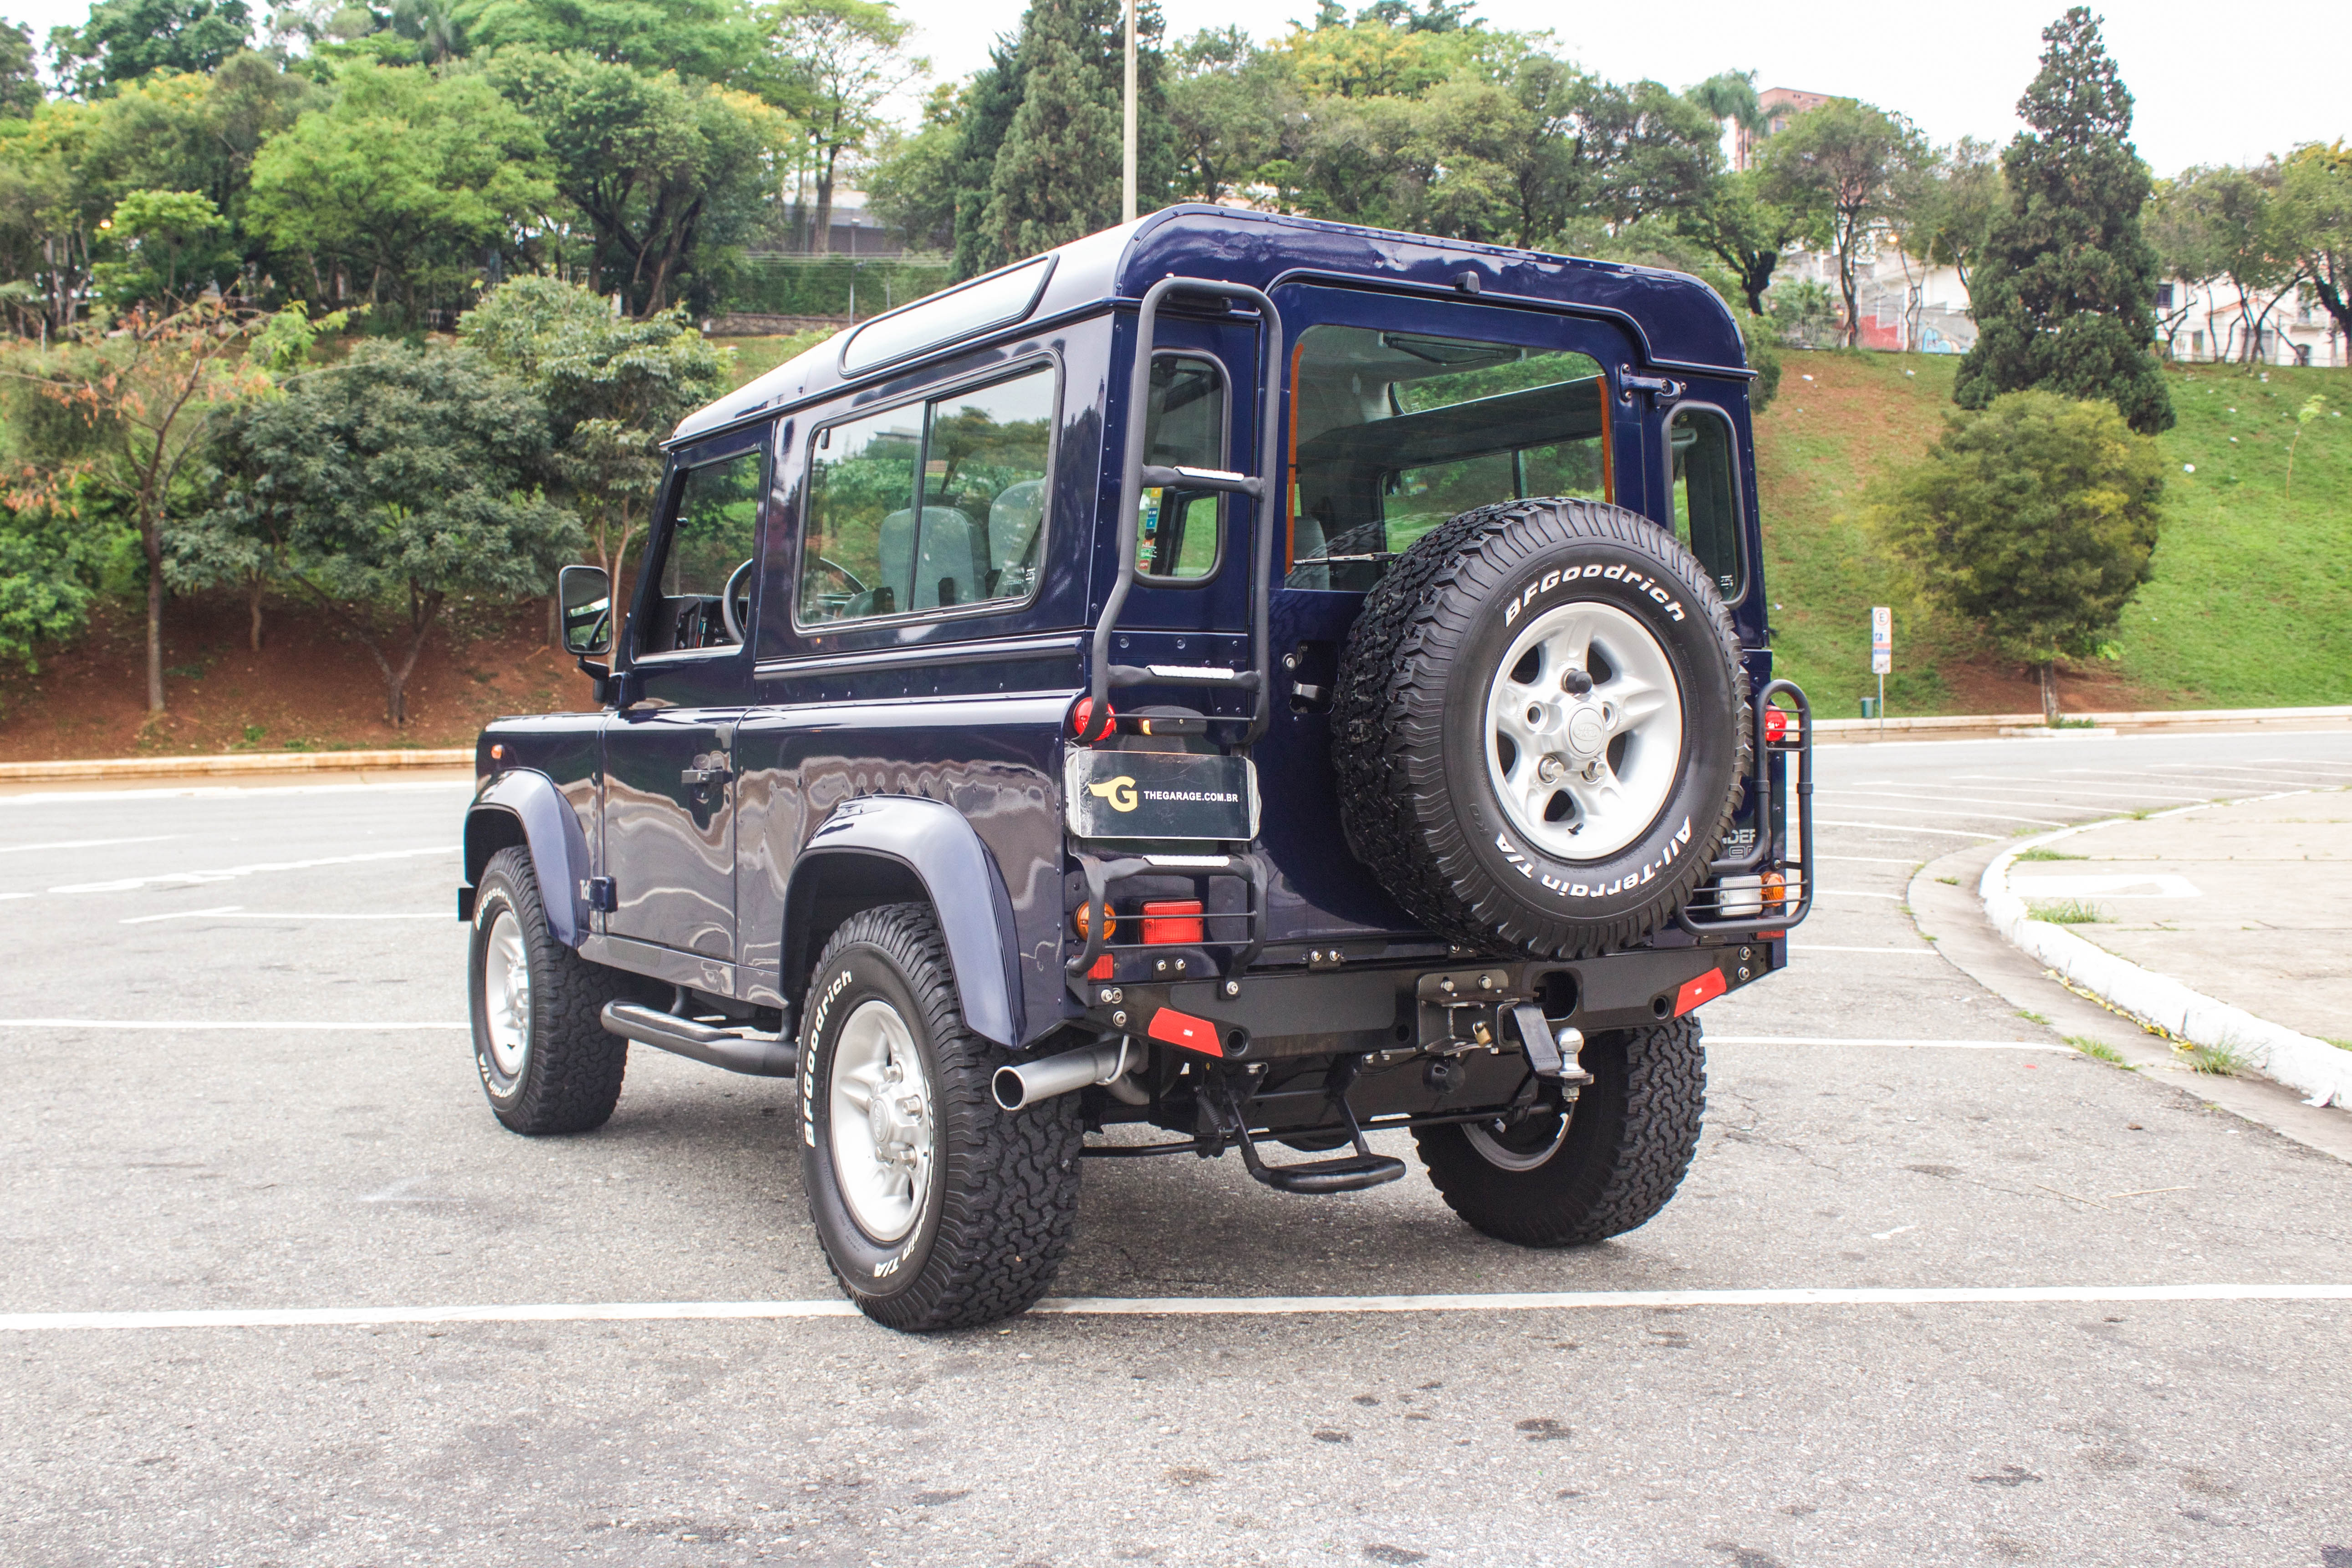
{"x": 1398, "y": 431}
{"x": 1179, "y": 531}
{"x": 1706, "y": 494}
{"x": 928, "y": 505}
{"x": 714, "y": 529}
{"x": 861, "y": 478}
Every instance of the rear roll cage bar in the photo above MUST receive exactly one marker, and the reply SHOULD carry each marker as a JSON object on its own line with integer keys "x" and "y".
{"x": 1134, "y": 475}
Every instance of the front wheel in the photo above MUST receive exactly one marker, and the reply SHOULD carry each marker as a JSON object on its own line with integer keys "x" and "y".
{"x": 1606, "y": 1167}
{"x": 936, "y": 1209}
{"x": 545, "y": 1060}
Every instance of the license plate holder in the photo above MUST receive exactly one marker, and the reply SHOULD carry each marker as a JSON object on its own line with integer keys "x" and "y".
{"x": 1160, "y": 795}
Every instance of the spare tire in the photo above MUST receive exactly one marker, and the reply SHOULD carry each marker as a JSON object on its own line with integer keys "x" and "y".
{"x": 1540, "y": 728}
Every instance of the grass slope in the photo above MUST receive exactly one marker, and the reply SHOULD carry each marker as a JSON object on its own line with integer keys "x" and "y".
{"x": 2251, "y": 603}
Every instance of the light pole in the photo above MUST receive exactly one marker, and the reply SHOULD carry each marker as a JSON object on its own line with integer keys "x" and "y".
{"x": 1127, "y": 138}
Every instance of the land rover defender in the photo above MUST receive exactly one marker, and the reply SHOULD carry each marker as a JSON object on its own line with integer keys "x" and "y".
{"x": 1234, "y": 683}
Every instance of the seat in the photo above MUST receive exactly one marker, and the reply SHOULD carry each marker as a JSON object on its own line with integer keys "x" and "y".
{"x": 1014, "y": 519}
{"x": 951, "y": 570}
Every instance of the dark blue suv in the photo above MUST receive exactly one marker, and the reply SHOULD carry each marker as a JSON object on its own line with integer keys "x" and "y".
{"x": 1266, "y": 681}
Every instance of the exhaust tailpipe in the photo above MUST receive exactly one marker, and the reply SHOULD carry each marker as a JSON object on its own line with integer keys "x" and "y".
{"x": 1016, "y": 1087}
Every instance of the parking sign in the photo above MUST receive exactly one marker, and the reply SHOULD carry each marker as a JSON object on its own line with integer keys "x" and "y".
{"x": 1882, "y": 639}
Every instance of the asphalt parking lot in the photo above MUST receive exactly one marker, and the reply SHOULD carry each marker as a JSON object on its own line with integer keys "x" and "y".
{"x": 239, "y": 1080}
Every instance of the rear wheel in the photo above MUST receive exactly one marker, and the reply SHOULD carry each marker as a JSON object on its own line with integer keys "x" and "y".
{"x": 541, "y": 1049}
{"x": 1605, "y": 1168}
{"x": 936, "y": 1208}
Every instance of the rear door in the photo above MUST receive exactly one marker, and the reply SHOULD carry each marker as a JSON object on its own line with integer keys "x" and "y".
{"x": 669, "y": 773}
{"x": 1405, "y": 411}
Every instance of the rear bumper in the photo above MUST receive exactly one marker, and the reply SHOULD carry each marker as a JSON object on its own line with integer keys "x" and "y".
{"x": 1408, "y": 1007}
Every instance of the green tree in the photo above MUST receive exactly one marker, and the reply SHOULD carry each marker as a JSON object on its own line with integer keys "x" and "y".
{"x": 666, "y": 173}
{"x": 245, "y": 538}
{"x": 407, "y": 182}
{"x": 2314, "y": 220}
{"x": 2064, "y": 294}
{"x": 2228, "y": 221}
{"x": 1945, "y": 212}
{"x": 48, "y": 578}
{"x": 126, "y": 409}
{"x": 407, "y": 479}
{"x": 910, "y": 183}
{"x": 1743, "y": 231}
{"x": 1057, "y": 174}
{"x": 20, "y": 73}
{"x": 1229, "y": 106}
{"x": 2035, "y": 520}
{"x": 839, "y": 61}
{"x": 704, "y": 41}
{"x": 987, "y": 105}
{"x": 125, "y": 40}
{"x": 167, "y": 239}
{"x": 1841, "y": 167}
{"x": 613, "y": 387}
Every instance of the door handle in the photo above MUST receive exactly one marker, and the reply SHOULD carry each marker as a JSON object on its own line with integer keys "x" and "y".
{"x": 698, "y": 777}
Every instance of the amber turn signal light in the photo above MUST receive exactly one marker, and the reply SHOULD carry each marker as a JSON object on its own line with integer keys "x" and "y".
{"x": 1082, "y": 922}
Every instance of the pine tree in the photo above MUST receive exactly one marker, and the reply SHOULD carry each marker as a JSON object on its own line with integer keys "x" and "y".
{"x": 2066, "y": 292}
{"x": 988, "y": 107}
{"x": 1056, "y": 174}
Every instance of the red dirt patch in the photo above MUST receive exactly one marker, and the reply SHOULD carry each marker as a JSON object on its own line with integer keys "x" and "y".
{"x": 311, "y": 688}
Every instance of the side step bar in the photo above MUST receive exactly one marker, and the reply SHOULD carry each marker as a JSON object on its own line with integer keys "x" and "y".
{"x": 738, "y": 1051}
{"x": 1348, "y": 1173}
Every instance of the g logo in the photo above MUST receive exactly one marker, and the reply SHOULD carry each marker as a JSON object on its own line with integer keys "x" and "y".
{"x": 1119, "y": 791}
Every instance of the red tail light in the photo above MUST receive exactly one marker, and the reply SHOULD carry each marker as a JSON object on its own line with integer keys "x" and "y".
{"x": 1776, "y": 725}
{"x": 1173, "y": 920}
{"x": 1082, "y": 714}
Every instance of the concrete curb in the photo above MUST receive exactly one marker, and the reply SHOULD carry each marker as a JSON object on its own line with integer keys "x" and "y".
{"x": 2312, "y": 1066}
{"x": 1951, "y": 727}
{"x": 238, "y": 763}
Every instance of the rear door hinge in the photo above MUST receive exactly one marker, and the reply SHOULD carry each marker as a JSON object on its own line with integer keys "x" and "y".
{"x": 598, "y": 894}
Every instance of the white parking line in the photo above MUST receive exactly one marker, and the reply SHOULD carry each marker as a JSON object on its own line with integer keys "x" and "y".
{"x": 1874, "y": 796}
{"x": 2086, "y": 793}
{"x": 1914, "y": 1045}
{"x": 174, "y": 1026}
{"x": 1906, "y": 827}
{"x": 84, "y": 843}
{"x": 197, "y": 878}
{"x": 1850, "y": 893}
{"x": 1826, "y": 947}
{"x": 240, "y": 912}
{"x": 1190, "y": 1306}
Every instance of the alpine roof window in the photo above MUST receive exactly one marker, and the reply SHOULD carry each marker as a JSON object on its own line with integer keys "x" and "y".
{"x": 981, "y": 306}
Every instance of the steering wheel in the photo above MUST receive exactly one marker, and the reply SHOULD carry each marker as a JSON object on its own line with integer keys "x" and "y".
{"x": 843, "y": 573}
{"x": 735, "y": 602}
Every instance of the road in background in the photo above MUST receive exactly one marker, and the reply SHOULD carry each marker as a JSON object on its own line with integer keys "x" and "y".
{"x": 267, "y": 1104}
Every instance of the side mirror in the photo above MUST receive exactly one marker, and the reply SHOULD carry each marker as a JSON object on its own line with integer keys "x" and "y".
{"x": 586, "y": 595}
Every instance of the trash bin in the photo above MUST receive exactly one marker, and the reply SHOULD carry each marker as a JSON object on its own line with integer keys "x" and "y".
{"x": 1870, "y": 708}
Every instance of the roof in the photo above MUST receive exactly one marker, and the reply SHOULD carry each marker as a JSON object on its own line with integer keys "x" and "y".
{"x": 1677, "y": 320}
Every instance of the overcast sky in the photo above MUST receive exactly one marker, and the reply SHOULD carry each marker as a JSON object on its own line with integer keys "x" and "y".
{"x": 2208, "y": 91}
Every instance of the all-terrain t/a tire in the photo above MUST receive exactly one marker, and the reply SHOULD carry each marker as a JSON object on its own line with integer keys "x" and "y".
{"x": 936, "y": 1209}
{"x": 1540, "y": 728}
{"x": 539, "y": 1046}
{"x": 1628, "y": 1143}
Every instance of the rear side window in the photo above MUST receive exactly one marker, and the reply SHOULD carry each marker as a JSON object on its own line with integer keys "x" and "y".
{"x": 1706, "y": 492}
{"x": 929, "y": 506}
{"x": 1177, "y": 533}
{"x": 1398, "y": 431}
